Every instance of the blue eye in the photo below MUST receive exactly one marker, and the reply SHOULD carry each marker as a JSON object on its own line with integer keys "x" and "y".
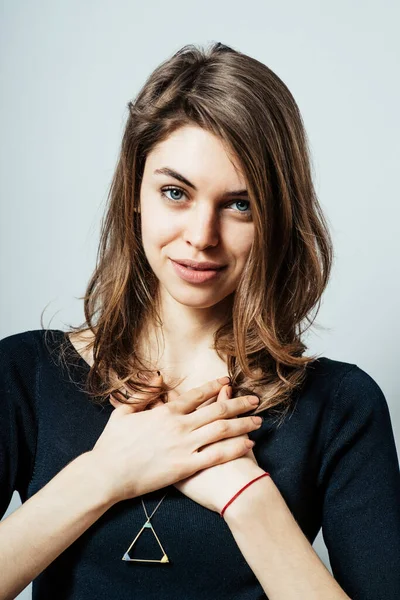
{"x": 174, "y": 189}
{"x": 171, "y": 189}
{"x": 243, "y": 201}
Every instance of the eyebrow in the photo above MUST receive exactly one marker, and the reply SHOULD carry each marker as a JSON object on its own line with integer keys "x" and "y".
{"x": 179, "y": 177}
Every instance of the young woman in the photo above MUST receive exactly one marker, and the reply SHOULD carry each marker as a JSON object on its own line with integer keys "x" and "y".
{"x": 123, "y": 437}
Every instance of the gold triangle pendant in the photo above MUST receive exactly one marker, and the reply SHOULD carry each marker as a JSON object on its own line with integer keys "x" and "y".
{"x": 127, "y": 556}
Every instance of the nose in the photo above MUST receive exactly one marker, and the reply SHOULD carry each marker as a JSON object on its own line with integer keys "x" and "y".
{"x": 202, "y": 226}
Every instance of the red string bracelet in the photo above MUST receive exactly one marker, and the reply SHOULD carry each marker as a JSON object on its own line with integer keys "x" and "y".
{"x": 240, "y": 491}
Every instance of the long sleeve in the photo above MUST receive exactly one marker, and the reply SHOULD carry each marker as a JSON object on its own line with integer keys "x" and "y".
{"x": 360, "y": 482}
{"x": 18, "y": 381}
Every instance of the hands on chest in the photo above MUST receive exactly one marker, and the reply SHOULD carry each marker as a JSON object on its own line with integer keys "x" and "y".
{"x": 179, "y": 442}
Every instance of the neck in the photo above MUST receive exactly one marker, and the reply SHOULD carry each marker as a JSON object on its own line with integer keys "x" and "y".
{"x": 186, "y": 335}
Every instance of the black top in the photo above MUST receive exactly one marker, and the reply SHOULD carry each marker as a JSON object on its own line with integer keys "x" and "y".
{"x": 334, "y": 461}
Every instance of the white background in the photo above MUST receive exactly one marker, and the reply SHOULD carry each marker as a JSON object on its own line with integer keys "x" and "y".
{"x": 68, "y": 69}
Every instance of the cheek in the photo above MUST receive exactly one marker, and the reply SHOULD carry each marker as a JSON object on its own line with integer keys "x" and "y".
{"x": 240, "y": 244}
{"x": 157, "y": 231}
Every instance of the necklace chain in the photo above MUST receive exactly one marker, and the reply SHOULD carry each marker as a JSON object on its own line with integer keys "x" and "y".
{"x": 148, "y": 518}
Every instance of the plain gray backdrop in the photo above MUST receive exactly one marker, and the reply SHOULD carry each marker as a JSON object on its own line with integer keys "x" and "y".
{"x": 68, "y": 69}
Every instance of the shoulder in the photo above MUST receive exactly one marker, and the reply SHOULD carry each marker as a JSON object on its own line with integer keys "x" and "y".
{"x": 337, "y": 392}
{"x": 16, "y": 344}
{"x": 353, "y": 400}
{"x": 29, "y": 338}
{"x": 343, "y": 381}
{"x": 28, "y": 347}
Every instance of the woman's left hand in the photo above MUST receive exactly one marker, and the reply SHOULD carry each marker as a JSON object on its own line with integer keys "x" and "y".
{"x": 214, "y": 487}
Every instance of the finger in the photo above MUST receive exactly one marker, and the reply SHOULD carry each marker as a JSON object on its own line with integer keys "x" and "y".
{"x": 208, "y": 402}
{"x": 225, "y": 393}
{"x": 224, "y": 429}
{"x": 221, "y": 452}
{"x": 123, "y": 408}
{"x": 115, "y": 403}
{"x": 172, "y": 396}
{"x": 227, "y": 408}
{"x": 191, "y": 400}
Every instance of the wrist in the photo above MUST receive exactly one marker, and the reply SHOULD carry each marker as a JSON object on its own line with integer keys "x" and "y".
{"x": 257, "y": 489}
{"x": 87, "y": 469}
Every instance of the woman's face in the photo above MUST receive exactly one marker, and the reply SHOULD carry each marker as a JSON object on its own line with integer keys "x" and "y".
{"x": 200, "y": 219}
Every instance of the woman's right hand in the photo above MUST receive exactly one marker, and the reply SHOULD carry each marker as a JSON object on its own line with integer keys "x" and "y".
{"x": 140, "y": 451}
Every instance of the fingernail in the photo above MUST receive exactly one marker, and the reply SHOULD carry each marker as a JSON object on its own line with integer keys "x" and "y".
{"x": 229, "y": 391}
{"x": 257, "y": 420}
{"x": 254, "y": 400}
{"x": 224, "y": 380}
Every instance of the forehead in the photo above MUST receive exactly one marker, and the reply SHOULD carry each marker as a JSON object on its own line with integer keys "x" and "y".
{"x": 198, "y": 154}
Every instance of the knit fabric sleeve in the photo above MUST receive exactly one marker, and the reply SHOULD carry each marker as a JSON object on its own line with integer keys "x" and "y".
{"x": 18, "y": 427}
{"x": 360, "y": 481}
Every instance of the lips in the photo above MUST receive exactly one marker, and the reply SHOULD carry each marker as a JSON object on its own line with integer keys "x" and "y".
{"x": 199, "y": 266}
{"x": 196, "y": 276}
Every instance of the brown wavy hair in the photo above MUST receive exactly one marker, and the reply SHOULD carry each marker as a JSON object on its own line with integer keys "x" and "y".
{"x": 241, "y": 100}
